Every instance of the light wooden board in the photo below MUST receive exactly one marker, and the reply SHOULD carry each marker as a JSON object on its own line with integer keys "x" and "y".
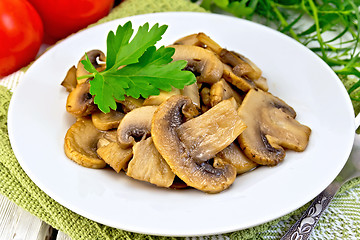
{"x": 18, "y": 224}
{"x": 62, "y": 236}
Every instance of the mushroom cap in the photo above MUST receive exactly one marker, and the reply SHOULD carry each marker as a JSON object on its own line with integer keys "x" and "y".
{"x": 195, "y": 173}
{"x": 81, "y": 143}
{"x": 135, "y": 125}
{"x": 200, "y": 61}
{"x": 80, "y": 102}
{"x": 271, "y": 127}
{"x": 70, "y": 80}
{"x": 106, "y": 121}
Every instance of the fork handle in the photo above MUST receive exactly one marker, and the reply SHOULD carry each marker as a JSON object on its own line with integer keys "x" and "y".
{"x": 304, "y": 226}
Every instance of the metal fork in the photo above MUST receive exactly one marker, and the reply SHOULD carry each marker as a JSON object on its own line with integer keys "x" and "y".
{"x": 304, "y": 226}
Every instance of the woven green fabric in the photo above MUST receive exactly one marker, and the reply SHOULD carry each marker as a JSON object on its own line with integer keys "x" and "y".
{"x": 339, "y": 222}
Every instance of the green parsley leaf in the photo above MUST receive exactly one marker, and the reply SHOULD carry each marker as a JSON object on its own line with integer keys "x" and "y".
{"x": 136, "y": 68}
{"x": 122, "y": 52}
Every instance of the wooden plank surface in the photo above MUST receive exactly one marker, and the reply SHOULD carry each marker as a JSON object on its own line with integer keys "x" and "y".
{"x": 62, "y": 236}
{"x": 18, "y": 224}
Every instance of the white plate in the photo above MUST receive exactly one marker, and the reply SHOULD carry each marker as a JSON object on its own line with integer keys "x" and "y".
{"x": 38, "y": 123}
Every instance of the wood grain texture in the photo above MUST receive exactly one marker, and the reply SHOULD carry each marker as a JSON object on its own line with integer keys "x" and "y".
{"x": 62, "y": 236}
{"x": 18, "y": 224}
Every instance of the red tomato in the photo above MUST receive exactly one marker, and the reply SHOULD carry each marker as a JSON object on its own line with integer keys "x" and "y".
{"x": 21, "y": 34}
{"x": 63, "y": 17}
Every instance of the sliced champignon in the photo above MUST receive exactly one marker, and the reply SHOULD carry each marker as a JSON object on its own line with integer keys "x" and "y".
{"x": 261, "y": 83}
{"x": 81, "y": 143}
{"x": 106, "y": 121}
{"x": 242, "y": 66}
{"x": 232, "y": 154}
{"x": 135, "y": 125}
{"x": 241, "y": 83}
{"x": 115, "y": 156}
{"x": 271, "y": 127}
{"x": 205, "y": 99}
{"x": 106, "y": 138}
{"x": 221, "y": 91}
{"x": 131, "y": 103}
{"x": 158, "y": 99}
{"x": 209, "y": 43}
{"x": 192, "y": 91}
{"x": 95, "y": 57}
{"x": 194, "y": 172}
{"x": 189, "y": 40}
{"x": 212, "y": 131}
{"x": 217, "y": 93}
{"x": 80, "y": 102}
{"x": 148, "y": 165}
{"x": 200, "y": 61}
{"x": 70, "y": 80}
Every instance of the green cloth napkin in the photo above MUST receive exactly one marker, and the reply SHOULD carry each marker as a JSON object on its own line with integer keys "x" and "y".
{"x": 340, "y": 221}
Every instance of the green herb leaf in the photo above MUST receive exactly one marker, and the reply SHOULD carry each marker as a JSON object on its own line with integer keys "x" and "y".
{"x": 122, "y": 52}
{"x": 136, "y": 68}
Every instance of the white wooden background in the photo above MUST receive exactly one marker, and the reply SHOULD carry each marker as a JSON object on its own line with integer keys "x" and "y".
{"x": 18, "y": 224}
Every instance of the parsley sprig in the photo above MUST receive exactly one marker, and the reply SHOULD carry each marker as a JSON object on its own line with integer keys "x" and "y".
{"x": 135, "y": 67}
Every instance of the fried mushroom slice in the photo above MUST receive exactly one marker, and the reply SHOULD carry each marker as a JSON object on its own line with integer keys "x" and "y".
{"x": 148, "y": 165}
{"x": 115, "y": 156}
{"x": 261, "y": 83}
{"x": 201, "y": 62}
{"x": 192, "y": 91}
{"x": 209, "y": 43}
{"x": 107, "y": 121}
{"x": 195, "y": 173}
{"x": 241, "y": 83}
{"x": 158, "y": 99}
{"x": 271, "y": 128}
{"x": 232, "y": 154}
{"x": 191, "y": 39}
{"x": 81, "y": 142}
{"x": 110, "y": 151}
{"x": 212, "y": 131}
{"x": 242, "y": 66}
{"x": 131, "y": 103}
{"x": 80, "y": 102}
{"x": 70, "y": 80}
{"x": 221, "y": 91}
{"x": 135, "y": 125}
{"x": 205, "y": 96}
{"x": 108, "y": 137}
